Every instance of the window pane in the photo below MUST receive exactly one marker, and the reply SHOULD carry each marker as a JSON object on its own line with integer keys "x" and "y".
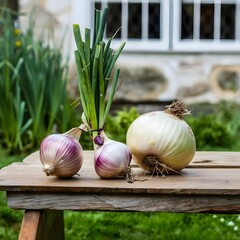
{"x": 187, "y": 21}
{"x": 154, "y": 20}
{"x": 98, "y": 5}
{"x": 228, "y": 21}
{"x": 114, "y": 21}
{"x": 134, "y": 20}
{"x": 207, "y": 21}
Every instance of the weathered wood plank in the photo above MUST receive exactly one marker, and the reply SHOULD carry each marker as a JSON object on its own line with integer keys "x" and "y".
{"x": 123, "y": 202}
{"x": 194, "y": 181}
{"x": 28, "y": 176}
{"x": 29, "y": 226}
{"x": 216, "y": 159}
{"x": 42, "y": 225}
{"x": 201, "y": 159}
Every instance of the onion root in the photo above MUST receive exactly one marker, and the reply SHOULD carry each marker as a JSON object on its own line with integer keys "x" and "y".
{"x": 177, "y": 109}
{"x": 156, "y": 167}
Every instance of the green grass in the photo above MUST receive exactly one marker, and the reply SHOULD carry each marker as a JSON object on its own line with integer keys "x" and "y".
{"x": 6, "y": 159}
{"x": 10, "y": 220}
{"x": 150, "y": 226}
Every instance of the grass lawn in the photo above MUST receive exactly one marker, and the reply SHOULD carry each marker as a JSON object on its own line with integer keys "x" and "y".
{"x": 127, "y": 226}
{"x": 10, "y": 220}
{"x": 151, "y": 226}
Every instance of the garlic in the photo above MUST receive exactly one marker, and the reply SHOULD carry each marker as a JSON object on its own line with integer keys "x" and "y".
{"x": 62, "y": 154}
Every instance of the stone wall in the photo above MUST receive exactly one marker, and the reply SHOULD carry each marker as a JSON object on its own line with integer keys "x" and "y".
{"x": 51, "y": 18}
{"x": 148, "y": 77}
{"x": 191, "y": 77}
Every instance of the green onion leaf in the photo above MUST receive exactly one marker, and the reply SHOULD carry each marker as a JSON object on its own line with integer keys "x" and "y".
{"x": 94, "y": 68}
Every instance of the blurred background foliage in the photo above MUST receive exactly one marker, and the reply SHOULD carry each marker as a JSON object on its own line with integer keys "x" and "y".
{"x": 33, "y": 80}
{"x": 216, "y": 126}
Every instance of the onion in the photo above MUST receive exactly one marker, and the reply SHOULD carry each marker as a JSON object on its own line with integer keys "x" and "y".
{"x": 161, "y": 141}
{"x": 111, "y": 158}
{"x": 62, "y": 154}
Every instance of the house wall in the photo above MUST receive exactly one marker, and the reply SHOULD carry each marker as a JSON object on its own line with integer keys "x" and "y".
{"x": 193, "y": 77}
{"x": 189, "y": 76}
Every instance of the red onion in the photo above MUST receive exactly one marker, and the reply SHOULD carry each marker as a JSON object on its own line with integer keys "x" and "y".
{"x": 62, "y": 154}
{"x": 112, "y": 158}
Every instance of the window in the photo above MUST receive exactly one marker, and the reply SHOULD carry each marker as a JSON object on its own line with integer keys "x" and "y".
{"x": 206, "y": 25}
{"x": 169, "y": 25}
{"x": 144, "y": 24}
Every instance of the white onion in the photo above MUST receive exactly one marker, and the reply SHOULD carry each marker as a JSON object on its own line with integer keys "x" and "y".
{"x": 162, "y": 141}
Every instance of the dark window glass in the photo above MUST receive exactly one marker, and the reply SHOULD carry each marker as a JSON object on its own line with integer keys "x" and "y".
{"x": 187, "y": 21}
{"x": 154, "y": 20}
{"x": 98, "y": 5}
{"x": 114, "y": 20}
{"x": 134, "y": 20}
{"x": 228, "y": 21}
{"x": 206, "y": 21}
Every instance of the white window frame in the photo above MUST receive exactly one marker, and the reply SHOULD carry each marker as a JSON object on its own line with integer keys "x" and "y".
{"x": 171, "y": 29}
{"x": 200, "y": 45}
{"x": 143, "y": 44}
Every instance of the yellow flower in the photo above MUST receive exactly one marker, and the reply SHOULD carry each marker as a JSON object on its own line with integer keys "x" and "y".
{"x": 17, "y": 31}
{"x": 18, "y": 43}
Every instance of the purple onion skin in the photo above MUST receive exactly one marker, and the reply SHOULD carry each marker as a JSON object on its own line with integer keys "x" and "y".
{"x": 98, "y": 140}
{"x": 112, "y": 159}
{"x": 63, "y": 153}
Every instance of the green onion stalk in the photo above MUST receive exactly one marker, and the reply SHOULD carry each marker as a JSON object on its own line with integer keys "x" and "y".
{"x": 95, "y": 66}
{"x": 95, "y": 61}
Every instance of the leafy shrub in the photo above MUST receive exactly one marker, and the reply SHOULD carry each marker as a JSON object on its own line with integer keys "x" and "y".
{"x": 218, "y": 129}
{"x": 209, "y": 132}
{"x": 118, "y": 124}
{"x": 229, "y": 114}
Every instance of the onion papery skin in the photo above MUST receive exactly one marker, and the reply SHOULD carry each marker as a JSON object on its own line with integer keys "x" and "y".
{"x": 112, "y": 159}
{"x": 164, "y": 137}
{"x": 61, "y": 155}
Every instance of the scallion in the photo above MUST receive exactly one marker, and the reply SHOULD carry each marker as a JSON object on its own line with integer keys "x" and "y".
{"x": 95, "y": 66}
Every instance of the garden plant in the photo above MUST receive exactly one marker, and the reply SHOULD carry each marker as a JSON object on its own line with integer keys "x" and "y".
{"x": 33, "y": 78}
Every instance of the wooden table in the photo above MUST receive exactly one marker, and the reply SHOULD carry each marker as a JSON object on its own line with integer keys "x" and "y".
{"x": 210, "y": 184}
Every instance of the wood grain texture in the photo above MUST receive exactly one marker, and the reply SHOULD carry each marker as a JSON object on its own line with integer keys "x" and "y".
{"x": 28, "y": 176}
{"x": 125, "y": 202}
{"x": 214, "y": 159}
{"x": 42, "y": 225}
{"x": 201, "y": 159}
{"x": 210, "y": 184}
{"x": 29, "y": 227}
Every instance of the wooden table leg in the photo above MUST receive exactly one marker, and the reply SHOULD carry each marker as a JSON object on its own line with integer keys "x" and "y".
{"x": 42, "y": 225}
